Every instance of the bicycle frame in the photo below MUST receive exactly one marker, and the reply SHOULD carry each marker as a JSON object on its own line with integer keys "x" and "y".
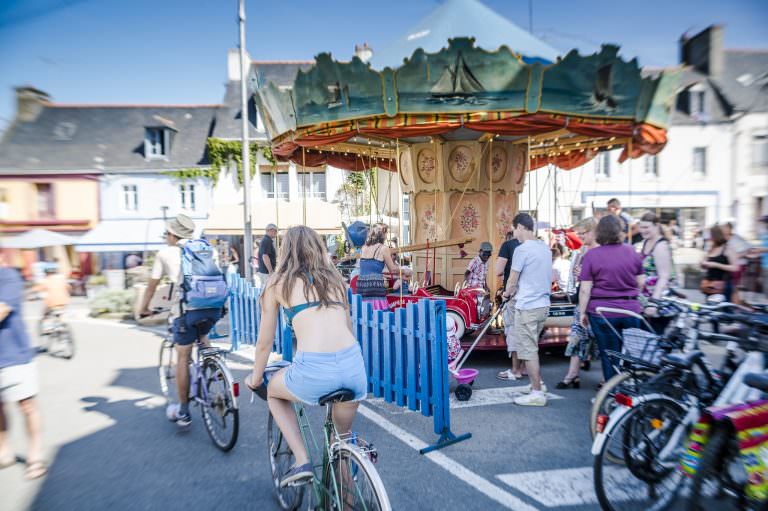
{"x": 330, "y": 439}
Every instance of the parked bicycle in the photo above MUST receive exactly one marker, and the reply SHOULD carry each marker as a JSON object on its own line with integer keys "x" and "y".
{"x": 55, "y": 336}
{"x": 345, "y": 477}
{"x": 639, "y": 360}
{"x": 726, "y": 455}
{"x": 647, "y": 431}
{"x": 211, "y": 388}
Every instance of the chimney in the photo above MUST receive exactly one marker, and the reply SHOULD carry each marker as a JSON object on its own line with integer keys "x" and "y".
{"x": 233, "y": 64}
{"x": 704, "y": 51}
{"x": 29, "y": 103}
{"x": 363, "y": 52}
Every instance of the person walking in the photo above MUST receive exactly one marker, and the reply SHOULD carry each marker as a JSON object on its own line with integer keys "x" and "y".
{"x": 628, "y": 223}
{"x": 477, "y": 271}
{"x": 503, "y": 268}
{"x": 18, "y": 374}
{"x": 374, "y": 257}
{"x": 267, "y": 254}
{"x": 611, "y": 276}
{"x": 581, "y": 345}
{"x": 658, "y": 267}
{"x": 720, "y": 263}
{"x": 530, "y": 281}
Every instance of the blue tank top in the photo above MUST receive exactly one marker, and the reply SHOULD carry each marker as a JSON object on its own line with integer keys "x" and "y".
{"x": 371, "y": 265}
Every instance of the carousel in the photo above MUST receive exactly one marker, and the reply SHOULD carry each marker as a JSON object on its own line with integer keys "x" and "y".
{"x": 462, "y": 128}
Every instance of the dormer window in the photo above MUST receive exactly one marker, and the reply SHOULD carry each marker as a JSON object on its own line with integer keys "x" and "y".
{"x": 156, "y": 143}
{"x": 696, "y": 104}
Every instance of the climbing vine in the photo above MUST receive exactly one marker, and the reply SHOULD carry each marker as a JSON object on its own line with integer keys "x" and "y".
{"x": 220, "y": 154}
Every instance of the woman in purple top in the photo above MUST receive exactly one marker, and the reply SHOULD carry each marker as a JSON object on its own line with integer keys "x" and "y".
{"x": 611, "y": 276}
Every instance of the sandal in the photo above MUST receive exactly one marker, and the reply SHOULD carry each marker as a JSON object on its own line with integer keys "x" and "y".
{"x": 6, "y": 463}
{"x": 35, "y": 470}
{"x": 508, "y": 375}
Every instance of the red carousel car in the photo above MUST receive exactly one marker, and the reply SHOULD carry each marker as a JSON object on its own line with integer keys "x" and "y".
{"x": 470, "y": 308}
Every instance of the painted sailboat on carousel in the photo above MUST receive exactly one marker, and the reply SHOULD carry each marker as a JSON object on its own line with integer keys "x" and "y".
{"x": 457, "y": 83}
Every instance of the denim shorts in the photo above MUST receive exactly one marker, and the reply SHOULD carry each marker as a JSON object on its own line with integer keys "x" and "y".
{"x": 193, "y": 324}
{"x": 315, "y": 374}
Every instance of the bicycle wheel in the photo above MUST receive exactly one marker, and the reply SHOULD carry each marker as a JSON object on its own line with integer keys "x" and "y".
{"x": 352, "y": 482}
{"x": 720, "y": 479}
{"x": 61, "y": 344}
{"x": 167, "y": 371}
{"x": 604, "y": 403}
{"x": 642, "y": 481}
{"x": 281, "y": 460}
{"x": 220, "y": 414}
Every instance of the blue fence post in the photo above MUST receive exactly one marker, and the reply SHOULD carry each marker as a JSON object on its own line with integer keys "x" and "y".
{"x": 411, "y": 359}
{"x": 440, "y": 382}
{"x": 400, "y": 340}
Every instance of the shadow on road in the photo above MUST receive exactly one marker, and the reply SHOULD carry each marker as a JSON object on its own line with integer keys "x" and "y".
{"x": 142, "y": 461}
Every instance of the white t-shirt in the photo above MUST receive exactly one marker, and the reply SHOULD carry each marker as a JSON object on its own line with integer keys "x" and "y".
{"x": 533, "y": 260}
{"x": 168, "y": 263}
{"x": 561, "y": 270}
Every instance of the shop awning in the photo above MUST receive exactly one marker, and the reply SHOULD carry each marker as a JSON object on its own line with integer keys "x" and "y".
{"x": 37, "y": 238}
{"x": 127, "y": 235}
{"x": 324, "y": 217}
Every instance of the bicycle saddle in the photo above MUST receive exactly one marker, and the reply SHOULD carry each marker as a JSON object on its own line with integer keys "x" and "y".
{"x": 757, "y": 380}
{"x": 337, "y": 396}
{"x": 682, "y": 361}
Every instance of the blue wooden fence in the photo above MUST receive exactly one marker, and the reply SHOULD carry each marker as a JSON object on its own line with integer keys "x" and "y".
{"x": 405, "y": 352}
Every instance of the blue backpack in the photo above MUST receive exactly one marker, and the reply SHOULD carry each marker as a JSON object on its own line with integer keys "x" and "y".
{"x": 203, "y": 285}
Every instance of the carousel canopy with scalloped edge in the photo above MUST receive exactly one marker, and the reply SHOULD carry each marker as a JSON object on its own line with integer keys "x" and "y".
{"x": 351, "y": 116}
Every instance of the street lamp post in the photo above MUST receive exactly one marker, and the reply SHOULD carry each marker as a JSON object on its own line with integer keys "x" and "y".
{"x": 246, "y": 154}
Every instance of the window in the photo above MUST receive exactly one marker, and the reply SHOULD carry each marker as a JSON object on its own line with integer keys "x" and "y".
{"x": 187, "y": 193}
{"x": 156, "y": 143}
{"x": 45, "y": 206}
{"x": 130, "y": 198}
{"x": 406, "y": 220}
{"x": 312, "y": 185}
{"x": 760, "y": 149}
{"x": 3, "y": 203}
{"x": 652, "y": 166}
{"x": 603, "y": 165}
{"x": 577, "y": 215}
{"x": 696, "y": 102}
{"x": 274, "y": 182}
{"x": 700, "y": 161}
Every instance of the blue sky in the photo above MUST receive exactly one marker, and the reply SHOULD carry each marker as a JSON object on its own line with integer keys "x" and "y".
{"x": 174, "y": 51}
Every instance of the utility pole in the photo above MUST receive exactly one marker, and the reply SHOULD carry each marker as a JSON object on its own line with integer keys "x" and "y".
{"x": 246, "y": 155}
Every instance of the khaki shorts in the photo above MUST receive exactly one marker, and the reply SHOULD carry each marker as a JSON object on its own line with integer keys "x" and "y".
{"x": 528, "y": 327}
{"x": 508, "y": 315}
{"x": 18, "y": 382}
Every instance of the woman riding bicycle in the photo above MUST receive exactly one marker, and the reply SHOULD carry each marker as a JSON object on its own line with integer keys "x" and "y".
{"x": 328, "y": 358}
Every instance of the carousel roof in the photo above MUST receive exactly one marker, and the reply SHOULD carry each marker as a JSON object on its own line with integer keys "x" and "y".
{"x": 464, "y": 18}
{"x": 348, "y": 115}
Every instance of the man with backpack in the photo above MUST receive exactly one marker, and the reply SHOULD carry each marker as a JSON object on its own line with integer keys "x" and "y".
{"x": 197, "y": 295}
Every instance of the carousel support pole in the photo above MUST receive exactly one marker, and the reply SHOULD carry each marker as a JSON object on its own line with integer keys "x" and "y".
{"x": 491, "y": 215}
{"x": 246, "y": 152}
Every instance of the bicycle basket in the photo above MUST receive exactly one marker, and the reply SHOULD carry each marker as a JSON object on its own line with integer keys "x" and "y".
{"x": 642, "y": 344}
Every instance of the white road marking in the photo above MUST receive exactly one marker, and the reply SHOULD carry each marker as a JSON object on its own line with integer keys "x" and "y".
{"x": 480, "y": 397}
{"x": 455, "y": 468}
{"x": 494, "y": 396}
{"x": 573, "y": 486}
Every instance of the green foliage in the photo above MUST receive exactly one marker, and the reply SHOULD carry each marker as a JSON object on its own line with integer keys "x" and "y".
{"x": 113, "y": 302}
{"x": 354, "y": 196}
{"x": 220, "y": 154}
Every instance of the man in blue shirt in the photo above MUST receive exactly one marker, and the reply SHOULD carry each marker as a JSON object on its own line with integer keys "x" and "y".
{"x": 18, "y": 375}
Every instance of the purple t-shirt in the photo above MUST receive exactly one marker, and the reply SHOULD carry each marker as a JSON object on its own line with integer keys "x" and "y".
{"x": 613, "y": 270}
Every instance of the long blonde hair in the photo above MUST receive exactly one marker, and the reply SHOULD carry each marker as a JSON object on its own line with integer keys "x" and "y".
{"x": 303, "y": 257}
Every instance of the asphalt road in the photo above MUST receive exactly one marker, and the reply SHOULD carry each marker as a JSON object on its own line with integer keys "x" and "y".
{"x": 110, "y": 446}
